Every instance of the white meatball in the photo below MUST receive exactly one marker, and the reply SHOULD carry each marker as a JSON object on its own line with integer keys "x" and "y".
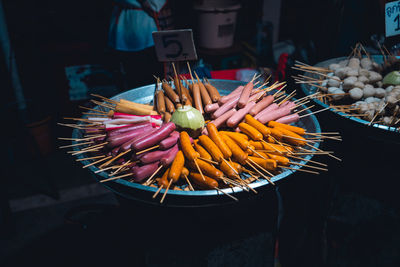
{"x": 389, "y": 88}
{"x": 356, "y": 93}
{"x": 363, "y": 72}
{"x": 363, "y": 79}
{"x": 354, "y": 63}
{"x": 366, "y": 63}
{"x": 324, "y": 83}
{"x": 339, "y": 94}
{"x": 352, "y": 72}
{"x": 368, "y": 91}
{"x": 391, "y": 101}
{"x": 369, "y": 99}
{"x": 374, "y": 77}
{"x": 331, "y": 90}
{"x": 359, "y": 84}
{"x": 371, "y": 114}
{"x": 380, "y": 92}
{"x": 334, "y": 66}
{"x": 348, "y": 83}
{"x": 363, "y": 108}
{"x": 387, "y": 120}
{"x": 341, "y": 72}
{"x": 379, "y": 83}
{"x": 334, "y": 82}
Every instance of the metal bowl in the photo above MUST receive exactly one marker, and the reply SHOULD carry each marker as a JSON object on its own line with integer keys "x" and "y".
{"x": 368, "y": 166}
{"x": 177, "y": 198}
{"x": 379, "y": 129}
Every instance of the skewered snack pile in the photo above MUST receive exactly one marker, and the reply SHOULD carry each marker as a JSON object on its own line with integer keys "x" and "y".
{"x": 247, "y": 137}
{"x": 359, "y": 86}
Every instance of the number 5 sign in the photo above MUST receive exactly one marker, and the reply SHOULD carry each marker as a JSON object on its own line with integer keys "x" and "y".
{"x": 392, "y": 18}
{"x": 175, "y": 45}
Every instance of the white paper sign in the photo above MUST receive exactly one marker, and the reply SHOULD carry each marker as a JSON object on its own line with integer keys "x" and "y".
{"x": 175, "y": 45}
{"x": 392, "y": 18}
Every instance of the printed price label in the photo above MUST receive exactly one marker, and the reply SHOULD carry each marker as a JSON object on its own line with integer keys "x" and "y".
{"x": 392, "y": 18}
{"x": 175, "y": 45}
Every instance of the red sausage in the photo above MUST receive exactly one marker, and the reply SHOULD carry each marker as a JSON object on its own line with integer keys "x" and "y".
{"x": 289, "y": 118}
{"x": 156, "y": 155}
{"x": 164, "y": 131}
{"x": 218, "y": 122}
{"x": 118, "y": 140}
{"x": 225, "y": 107}
{"x": 142, "y": 172}
{"x": 268, "y": 109}
{"x": 244, "y": 96}
{"x": 274, "y": 115}
{"x": 239, "y": 115}
{"x": 256, "y": 96}
{"x": 211, "y": 107}
{"x": 167, "y": 159}
{"x": 265, "y": 102}
{"x": 225, "y": 98}
{"x": 169, "y": 141}
{"x": 127, "y": 145}
{"x": 128, "y": 128}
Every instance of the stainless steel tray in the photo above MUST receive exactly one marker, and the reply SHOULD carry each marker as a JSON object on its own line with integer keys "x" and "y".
{"x": 178, "y": 198}
{"x": 312, "y": 89}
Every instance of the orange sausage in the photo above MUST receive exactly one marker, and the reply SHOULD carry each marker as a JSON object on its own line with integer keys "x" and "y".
{"x": 238, "y": 154}
{"x": 230, "y": 134}
{"x": 207, "y": 169}
{"x": 176, "y": 167}
{"x": 252, "y": 132}
{"x": 243, "y": 143}
{"x": 280, "y": 159}
{"x": 257, "y": 125}
{"x": 186, "y": 146}
{"x": 216, "y": 138}
{"x": 185, "y": 172}
{"x": 201, "y": 150}
{"x": 170, "y": 92}
{"x": 227, "y": 170}
{"x": 203, "y": 153}
{"x": 160, "y": 101}
{"x": 298, "y": 130}
{"x": 170, "y": 107}
{"x": 205, "y": 97}
{"x": 291, "y": 137}
{"x": 186, "y": 92}
{"x": 276, "y": 133}
{"x": 197, "y": 98}
{"x": 167, "y": 117}
{"x": 206, "y": 183}
{"x": 268, "y": 164}
{"x": 211, "y": 147}
{"x": 261, "y": 155}
{"x": 164, "y": 179}
{"x": 213, "y": 92}
{"x": 237, "y": 166}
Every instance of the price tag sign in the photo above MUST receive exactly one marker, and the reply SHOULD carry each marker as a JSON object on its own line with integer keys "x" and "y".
{"x": 175, "y": 45}
{"x": 392, "y": 18}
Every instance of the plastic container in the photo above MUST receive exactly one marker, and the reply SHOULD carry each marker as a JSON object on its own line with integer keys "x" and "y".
{"x": 216, "y": 22}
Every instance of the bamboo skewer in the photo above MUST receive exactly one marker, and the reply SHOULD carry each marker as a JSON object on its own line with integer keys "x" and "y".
{"x": 309, "y": 160}
{"x": 93, "y": 163}
{"x": 116, "y": 178}
{"x": 166, "y": 191}
{"x": 148, "y": 149}
{"x": 266, "y": 177}
{"x": 226, "y": 194}
{"x": 78, "y": 144}
{"x": 290, "y": 168}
